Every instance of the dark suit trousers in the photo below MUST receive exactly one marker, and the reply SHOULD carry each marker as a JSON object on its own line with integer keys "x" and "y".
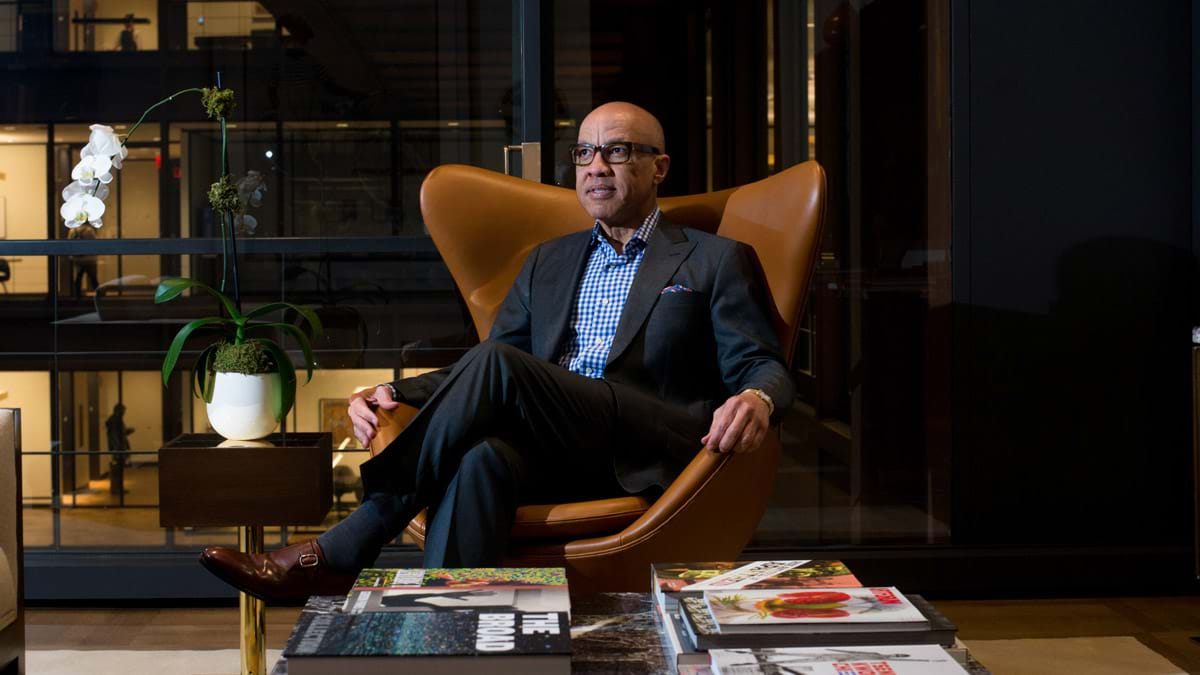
{"x": 504, "y": 428}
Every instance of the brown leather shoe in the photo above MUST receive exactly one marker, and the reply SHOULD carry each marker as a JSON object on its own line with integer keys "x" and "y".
{"x": 289, "y": 574}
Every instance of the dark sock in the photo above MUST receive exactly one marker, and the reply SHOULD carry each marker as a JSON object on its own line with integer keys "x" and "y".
{"x": 355, "y": 542}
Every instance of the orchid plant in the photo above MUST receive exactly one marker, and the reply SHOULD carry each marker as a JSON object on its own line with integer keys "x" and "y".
{"x": 239, "y": 348}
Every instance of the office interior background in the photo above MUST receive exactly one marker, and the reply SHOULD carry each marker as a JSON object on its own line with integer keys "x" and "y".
{"x": 994, "y": 392}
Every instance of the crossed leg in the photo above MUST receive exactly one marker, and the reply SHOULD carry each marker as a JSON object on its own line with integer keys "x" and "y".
{"x": 503, "y": 427}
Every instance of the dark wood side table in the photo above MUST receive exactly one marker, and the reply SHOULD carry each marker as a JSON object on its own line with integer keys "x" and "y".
{"x": 281, "y": 480}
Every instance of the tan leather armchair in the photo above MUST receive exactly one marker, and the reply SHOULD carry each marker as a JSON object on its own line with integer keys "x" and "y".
{"x": 12, "y": 623}
{"x": 485, "y": 223}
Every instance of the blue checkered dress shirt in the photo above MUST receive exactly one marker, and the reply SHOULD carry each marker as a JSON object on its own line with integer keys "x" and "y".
{"x": 601, "y": 297}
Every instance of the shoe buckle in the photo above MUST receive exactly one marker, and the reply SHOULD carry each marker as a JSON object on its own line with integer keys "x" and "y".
{"x": 308, "y": 560}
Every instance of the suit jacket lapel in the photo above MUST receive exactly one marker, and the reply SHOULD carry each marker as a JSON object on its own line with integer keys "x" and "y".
{"x": 557, "y": 281}
{"x": 665, "y": 252}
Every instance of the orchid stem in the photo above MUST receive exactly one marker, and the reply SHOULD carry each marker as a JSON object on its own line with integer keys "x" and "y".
{"x": 151, "y": 108}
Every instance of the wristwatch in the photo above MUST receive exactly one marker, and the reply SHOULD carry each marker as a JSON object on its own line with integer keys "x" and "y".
{"x": 765, "y": 398}
{"x": 392, "y": 388}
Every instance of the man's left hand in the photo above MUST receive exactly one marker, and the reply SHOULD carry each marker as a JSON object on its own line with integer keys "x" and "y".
{"x": 739, "y": 425}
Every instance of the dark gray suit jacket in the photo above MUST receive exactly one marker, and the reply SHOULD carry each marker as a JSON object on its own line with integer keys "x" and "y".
{"x": 680, "y": 355}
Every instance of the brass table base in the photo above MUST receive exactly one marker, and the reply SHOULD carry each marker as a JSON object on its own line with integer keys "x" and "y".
{"x": 253, "y": 612}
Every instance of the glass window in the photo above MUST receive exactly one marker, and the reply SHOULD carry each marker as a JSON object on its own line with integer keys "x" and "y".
{"x": 8, "y": 26}
{"x": 108, "y": 26}
{"x": 229, "y": 25}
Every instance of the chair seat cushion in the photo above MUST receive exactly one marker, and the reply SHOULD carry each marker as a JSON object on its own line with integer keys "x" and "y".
{"x": 573, "y": 520}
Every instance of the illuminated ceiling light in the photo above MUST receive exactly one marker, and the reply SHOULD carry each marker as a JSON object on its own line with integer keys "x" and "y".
{"x": 121, "y": 126}
{"x": 269, "y": 154}
{"x": 230, "y": 126}
{"x": 452, "y": 124}
{"x": 342, "y": 125}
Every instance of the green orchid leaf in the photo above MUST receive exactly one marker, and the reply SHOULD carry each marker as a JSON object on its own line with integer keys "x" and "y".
{"x": 169, "y": 289}
{"x": 295, "y": 331}
{"x": 309, "y": 315}
{"x": 181, "y": 337}
{"x": 201, "y": 382}
{"x": 285, "y": 394}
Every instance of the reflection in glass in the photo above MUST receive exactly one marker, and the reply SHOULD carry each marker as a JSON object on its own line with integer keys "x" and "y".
{"x": 93, "y": 26}
{"x": 8, "y": 26}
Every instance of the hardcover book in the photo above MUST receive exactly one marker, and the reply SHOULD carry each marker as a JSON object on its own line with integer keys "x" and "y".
{"x": 813, "y": 611}
{"x": 691, "y": 579}
{"x": 701, "y": 631}
{"x": 679, "y": 647}
{"x": 433, "y": 590}
{"x": 866, "y": 660}
{"x": 452, "y": 641}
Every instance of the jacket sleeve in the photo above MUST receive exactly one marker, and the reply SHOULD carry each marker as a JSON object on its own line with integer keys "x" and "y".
{"x": 747, "y": 347}
{"x": 511, "y": 327}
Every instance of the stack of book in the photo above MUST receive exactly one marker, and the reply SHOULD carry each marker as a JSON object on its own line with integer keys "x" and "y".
{"x": 491, "y": 620}
{"x": 769, "y": 606}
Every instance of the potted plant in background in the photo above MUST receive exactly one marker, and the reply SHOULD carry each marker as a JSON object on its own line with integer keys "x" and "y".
{"x": 245, "y": 377}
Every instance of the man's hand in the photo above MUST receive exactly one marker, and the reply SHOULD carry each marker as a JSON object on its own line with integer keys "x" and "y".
{"x": 739, "y": 425}
{"x": 362, "y": 412}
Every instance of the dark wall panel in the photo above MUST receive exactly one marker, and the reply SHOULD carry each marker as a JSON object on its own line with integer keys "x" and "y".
{"x": 1072, "y": 419}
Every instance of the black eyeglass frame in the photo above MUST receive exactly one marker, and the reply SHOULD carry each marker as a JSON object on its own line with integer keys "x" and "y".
{"x": 602, "y": 150}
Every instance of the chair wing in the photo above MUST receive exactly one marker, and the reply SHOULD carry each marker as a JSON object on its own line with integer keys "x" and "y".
{"x": 780, "y": 218}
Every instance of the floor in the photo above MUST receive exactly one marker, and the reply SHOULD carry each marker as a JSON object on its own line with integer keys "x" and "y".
{"x": 1166, "y": 625}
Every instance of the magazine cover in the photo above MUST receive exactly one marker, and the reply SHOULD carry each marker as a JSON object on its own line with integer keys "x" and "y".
{"x": 433, "y": 590}
{"x": 810, "y": 609}
{"x": 883, "y": 660}
{"x": 696, "y": 577}
{"x": 445, "y": 633}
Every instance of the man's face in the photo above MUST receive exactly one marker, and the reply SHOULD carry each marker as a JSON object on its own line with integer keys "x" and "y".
{"x": 619, "y": 195}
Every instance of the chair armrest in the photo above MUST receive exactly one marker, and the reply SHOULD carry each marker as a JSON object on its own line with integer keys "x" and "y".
{"x": 391, "y": 423}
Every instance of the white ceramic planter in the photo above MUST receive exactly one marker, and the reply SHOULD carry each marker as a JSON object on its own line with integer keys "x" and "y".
{"x": 241, "y": 405}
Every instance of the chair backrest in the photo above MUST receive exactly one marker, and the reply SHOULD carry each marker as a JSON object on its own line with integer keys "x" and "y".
{"x": 484, "y": 224}
{"x": 780, "y": 218}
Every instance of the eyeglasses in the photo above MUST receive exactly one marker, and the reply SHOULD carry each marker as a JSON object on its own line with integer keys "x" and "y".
{"x": 618, "y": 152}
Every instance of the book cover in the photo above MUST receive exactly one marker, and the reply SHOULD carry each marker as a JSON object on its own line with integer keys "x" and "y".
{"x": 700, "y": 631}
{"x": 693, "y": 578}
{"x": 866, "y": 660}
{"x": 381, "y": 642}
{"x": 829, "y": 609}
{"x": 434, "y": 590}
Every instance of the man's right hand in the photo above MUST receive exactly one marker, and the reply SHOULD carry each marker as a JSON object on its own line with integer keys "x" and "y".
{"x": 363, "y": 405}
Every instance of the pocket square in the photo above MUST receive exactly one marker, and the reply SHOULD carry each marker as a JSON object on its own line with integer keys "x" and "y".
{"x": 677, "y": 288}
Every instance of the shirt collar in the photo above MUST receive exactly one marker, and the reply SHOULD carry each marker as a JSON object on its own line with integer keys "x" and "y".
{"x": 640, "y": 237}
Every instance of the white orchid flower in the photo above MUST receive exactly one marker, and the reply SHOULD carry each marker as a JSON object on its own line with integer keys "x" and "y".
{"x": 80, "y": 209}
{"x": 103, "y": 142}
{"x": 245, "y": 224}
{"x": 91, "y": 169}
{"x": 76, "y": 188}
{"x": 251, "y": 188}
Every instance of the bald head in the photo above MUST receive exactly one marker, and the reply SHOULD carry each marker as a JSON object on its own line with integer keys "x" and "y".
{"x": 619, "y": 194}
{"x": 632, "y": 117}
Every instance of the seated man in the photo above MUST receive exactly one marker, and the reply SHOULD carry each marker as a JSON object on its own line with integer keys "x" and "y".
{"x": 615, "y": 355}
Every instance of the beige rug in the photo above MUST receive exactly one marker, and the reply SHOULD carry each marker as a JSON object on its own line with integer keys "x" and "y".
{"x": 1095, "y": 656}
{"x": 110, "y": 662}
